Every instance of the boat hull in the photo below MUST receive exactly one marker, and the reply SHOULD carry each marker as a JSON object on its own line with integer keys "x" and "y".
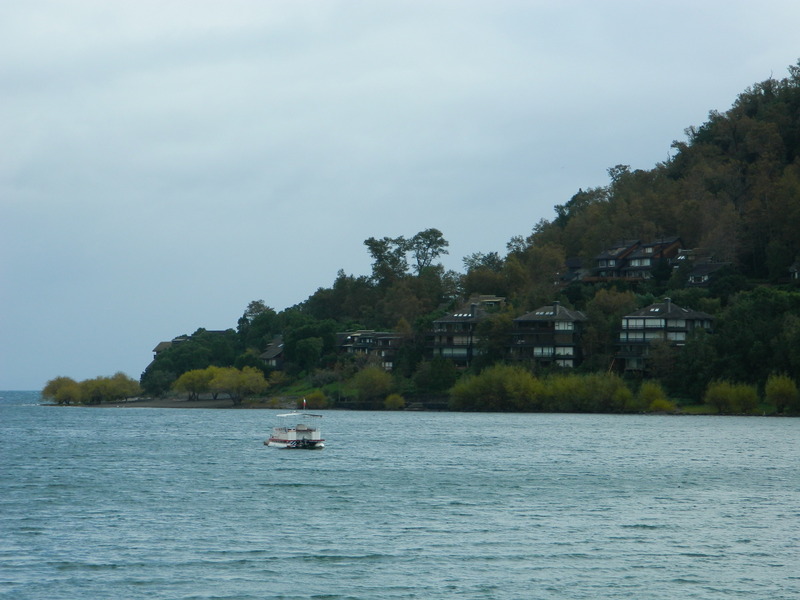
{"x": 296, "y": 444}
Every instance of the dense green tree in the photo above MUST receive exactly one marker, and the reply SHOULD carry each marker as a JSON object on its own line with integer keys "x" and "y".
{"x": 695, "y": 365}
{"x": 426, "y": 246}
{"x": 257, "y": 326}
{"x": 479, "y": 260}
{"x": 435, "y": 376}
{"x": 156, "y": 381}
{"x": 307, "y": 352}
{"x": 749, "y": 334}
{"x": 388, "y": 258}
{"x": 493, "y": 334}
{"x": 298, "y": 325}
{"x": 605, "y": 312}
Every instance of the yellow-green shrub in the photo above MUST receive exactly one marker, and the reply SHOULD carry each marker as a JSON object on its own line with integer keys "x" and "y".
{"x": 394, "y": 402}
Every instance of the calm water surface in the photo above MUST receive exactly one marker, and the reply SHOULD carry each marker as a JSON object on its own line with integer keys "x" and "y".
{"x": 189, "y": 504}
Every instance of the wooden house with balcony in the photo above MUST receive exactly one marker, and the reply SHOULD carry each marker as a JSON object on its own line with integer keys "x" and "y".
{"x": 455, "y": 337}
{"x": 632, "y": 259}
{"x": 663, "y": 321}
{"x": 609, "y": 264}
{"x": 641, "y": 263}
{"x": 381, "y": 345}
{"x": 550, "y": 335}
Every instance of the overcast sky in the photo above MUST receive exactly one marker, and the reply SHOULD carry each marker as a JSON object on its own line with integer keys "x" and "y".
{"x": 163, "y": 163}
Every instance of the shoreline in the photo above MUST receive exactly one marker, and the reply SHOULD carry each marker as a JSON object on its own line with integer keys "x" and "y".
{"x": 202, "y": 403}
{"x": 170, "y": 403}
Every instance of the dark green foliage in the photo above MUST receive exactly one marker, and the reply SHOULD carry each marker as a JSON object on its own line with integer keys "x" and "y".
{"x": 731, "y": 188}
{"x": 695, "y": 365}
{"x": 307, "y": 339}
{"x": 755, "y": 335}
{"x": 257, "y": 326}
{"x": 435, "y": 376}
{"x": 156, "y": 382}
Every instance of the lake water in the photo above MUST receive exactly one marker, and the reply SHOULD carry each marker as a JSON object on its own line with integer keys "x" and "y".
{"x": 138, "y": 503}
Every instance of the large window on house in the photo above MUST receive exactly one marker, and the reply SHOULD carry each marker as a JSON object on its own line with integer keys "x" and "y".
{"x": 654, "y": 323}
{"x": 543, "y": 351}
{"x": 631, "y": 336}
{"x": 632, "y": 323}
{"x": 634, "y": 363}
{"x": 565, "y": 326}
{"x": 565, "y": 351}
{"x": 453, "y": 352}
{"x": 676, "y": 323}
{"x": 676, "y": 336}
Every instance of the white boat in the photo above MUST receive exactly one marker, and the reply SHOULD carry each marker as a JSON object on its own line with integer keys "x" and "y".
{"x": 305, "y": 436}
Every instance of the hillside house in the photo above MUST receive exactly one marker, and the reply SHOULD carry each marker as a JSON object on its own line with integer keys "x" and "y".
{"x": 632, "y": 259}
{"x": 550, "y": 335}
{"x": 641, "y": 263}
{"x": 161, "y": 346}
{"x": 382, "y": 345}
{"x": 703, "y": 273}
{"x": 664, "y": 321}
{"x": 609, "y": 263}
{"x": 454, "y": 336}
{"x": 273, "y": 354}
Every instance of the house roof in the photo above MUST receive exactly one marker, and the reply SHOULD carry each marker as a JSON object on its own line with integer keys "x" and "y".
{"x": 274, "y": 349}
{"x": 471, "y": 314}
{"x": 667, "y": 308}
{"x": 620, "y": 248}
{"x": 553, "y": 312}
{"x": 707, "y": 268}
{"x": 162, "y": 346}
{"x": 474, "y": 310}
{"x": 655, "y": 249}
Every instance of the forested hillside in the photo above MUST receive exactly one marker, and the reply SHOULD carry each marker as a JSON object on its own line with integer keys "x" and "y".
{"x": 731, "y": 189}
